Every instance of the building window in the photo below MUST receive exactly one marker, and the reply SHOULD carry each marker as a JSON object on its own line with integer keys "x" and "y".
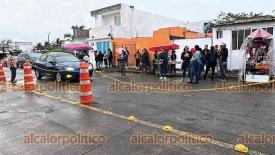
{"x": 102, "y": 46}
{"x": 238, "y": 38}
{"x": 117, "y": 20}
{"x": 219, "y": 34}
{"x": 234, "y": 40}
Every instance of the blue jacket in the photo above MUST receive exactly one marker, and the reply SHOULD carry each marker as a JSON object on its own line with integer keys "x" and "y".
{"x": 124, "y": 59}
{"x": 144, "y": 58}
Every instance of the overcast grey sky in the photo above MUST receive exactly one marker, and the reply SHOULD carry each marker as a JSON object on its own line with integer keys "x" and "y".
{"x": 31, "y": 20}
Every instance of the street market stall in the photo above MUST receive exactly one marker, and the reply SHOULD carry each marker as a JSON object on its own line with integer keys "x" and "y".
{"x": 258, "y": 59}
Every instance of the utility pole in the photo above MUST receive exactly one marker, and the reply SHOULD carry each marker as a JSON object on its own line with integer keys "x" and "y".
{"x": 49, "y": 40}
{"x": 132, "y": 7}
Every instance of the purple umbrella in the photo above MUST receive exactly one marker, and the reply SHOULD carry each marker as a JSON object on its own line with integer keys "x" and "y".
{"x": 77, "y": 46}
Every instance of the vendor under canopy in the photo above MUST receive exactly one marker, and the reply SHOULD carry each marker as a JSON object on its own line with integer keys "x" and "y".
{"x": 258, "y": 49}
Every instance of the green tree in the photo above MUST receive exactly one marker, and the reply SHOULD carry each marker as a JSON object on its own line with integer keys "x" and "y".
{"x": 59, "y": 42}
{"x": 227, "y": 18}
{"x": 6, "y": 45}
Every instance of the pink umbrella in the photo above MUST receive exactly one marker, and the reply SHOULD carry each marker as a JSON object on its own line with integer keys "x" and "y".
{"x": 77, "y": 46}
{"x": 119, "y": 50}
{"x": 260, "y": 33}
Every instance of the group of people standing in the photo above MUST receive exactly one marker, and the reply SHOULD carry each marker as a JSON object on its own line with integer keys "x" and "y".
{"x": 160, "y": 62}
{"x": 105, "y": 58}
{"x": 194, "y": 62}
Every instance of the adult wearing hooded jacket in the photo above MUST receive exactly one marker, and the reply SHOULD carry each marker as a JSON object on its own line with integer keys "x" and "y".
{"x": 211, "y": 62}
{"x": 144, "y": 61}
{"x": 186, "y": 56}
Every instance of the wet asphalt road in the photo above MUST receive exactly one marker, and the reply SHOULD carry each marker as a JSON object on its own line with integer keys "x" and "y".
{"x": 223, "y": 115}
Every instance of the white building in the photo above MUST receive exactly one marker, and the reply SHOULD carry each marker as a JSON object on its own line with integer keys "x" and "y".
{"x": 124, "y": 21}
{"x": 234, "y": 34}
{"x": 190, "y": 43}
{"x": 23, "y": 46}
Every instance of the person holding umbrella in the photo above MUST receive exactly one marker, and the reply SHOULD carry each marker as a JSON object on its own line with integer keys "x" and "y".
{"x": 119, "y": 52}
{"x": 123, "y": 62}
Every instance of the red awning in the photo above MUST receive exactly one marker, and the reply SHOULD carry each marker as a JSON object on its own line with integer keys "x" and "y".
{"x": 166, "y": 47}
{"x": 260, "y": 33}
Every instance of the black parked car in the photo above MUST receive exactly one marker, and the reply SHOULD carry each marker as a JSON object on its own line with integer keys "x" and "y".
{"x": 62, "y": 66}
{"x": 32, "y": 57}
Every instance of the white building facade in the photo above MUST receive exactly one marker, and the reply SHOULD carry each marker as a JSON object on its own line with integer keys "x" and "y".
{"x": 124, "y": 21}
{"x": 23, "y": 46}
{"x": 233, "y": 35}
{"x": 190, "y": 43}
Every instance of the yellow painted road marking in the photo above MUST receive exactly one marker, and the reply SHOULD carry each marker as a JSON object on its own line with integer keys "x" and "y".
{"x": 184, "y": 91}
{"x": 153, "y": 125}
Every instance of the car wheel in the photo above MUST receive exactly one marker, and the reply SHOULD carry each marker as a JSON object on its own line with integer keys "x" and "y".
{"x": 58, "y": 77}
{"x": 37, "y": 74}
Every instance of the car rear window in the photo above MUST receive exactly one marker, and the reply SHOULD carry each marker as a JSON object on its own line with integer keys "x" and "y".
{"x": 66, "y": 58}
{"x": 43, "y": 58}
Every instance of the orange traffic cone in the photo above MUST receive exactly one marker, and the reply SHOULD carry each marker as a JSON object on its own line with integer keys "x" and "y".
{"x": 2, "y": 73}
{"x": 28, "y": 78}
{"x": 86, "y": 96}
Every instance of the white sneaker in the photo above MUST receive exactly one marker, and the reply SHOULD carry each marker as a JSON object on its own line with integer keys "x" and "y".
{"x": 161, "y": 78}
{"x": 164, "y": 78}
